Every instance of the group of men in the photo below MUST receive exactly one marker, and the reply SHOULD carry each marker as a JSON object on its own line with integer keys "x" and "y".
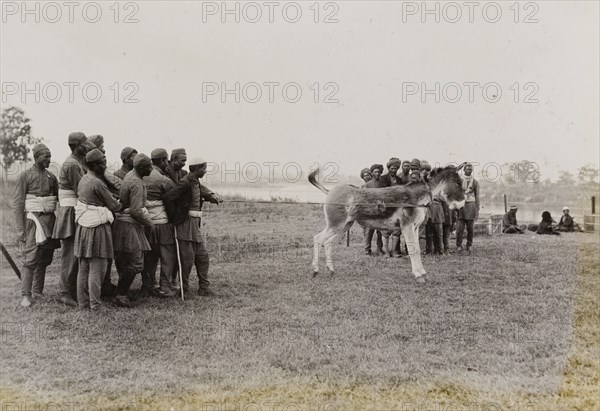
{"x": 440, "y": 218}
{"x": 149, "y": 210}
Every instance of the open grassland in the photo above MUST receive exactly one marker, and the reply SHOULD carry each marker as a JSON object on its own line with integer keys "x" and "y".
{"x": 513, "y": 326}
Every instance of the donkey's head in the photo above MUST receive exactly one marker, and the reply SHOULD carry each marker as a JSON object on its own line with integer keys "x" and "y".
{"x": 446, "y": 183}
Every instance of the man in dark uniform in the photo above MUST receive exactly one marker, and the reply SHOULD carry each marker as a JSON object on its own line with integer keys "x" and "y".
{"x": 71, "y": 171}
{"x": 127, "y": 155}
{"x": 391, "y": 179}
{"x": 129, "y": 236}
{"x": 405, "y": 175}
{"x": 34, "y": 203}
{"x": 174, "y": 169}
{"x": 93, "y": 235}
{"x": 184, "y": 207}
{"x": 161, "y": 235}
{"x": 375, "y": 182}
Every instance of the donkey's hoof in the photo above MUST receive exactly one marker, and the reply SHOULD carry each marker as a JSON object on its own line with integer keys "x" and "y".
{"x": 315, "y": 273}
{"x": 331, "y": 273}
{"x": 421, "y": 280}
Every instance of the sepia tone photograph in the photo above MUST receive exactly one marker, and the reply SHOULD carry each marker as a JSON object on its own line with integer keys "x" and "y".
{"x": 300, "y": 205}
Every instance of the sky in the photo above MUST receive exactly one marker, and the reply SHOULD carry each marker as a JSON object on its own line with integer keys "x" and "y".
{"x": 361, "y": 74}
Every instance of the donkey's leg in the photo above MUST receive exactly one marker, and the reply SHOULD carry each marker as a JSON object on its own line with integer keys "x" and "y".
{"x": 330, "y": 243}
{"x": 411, "y": 236}
{"x": 318, "y": 242}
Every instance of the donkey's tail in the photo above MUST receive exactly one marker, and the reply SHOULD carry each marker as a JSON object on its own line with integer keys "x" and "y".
{"x": 314, "y": 182}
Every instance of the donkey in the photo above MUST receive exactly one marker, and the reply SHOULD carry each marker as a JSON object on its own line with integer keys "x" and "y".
{"x": 392, "y": 208}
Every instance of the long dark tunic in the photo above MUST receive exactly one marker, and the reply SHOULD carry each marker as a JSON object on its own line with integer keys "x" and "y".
{"x": 96, "y": 242}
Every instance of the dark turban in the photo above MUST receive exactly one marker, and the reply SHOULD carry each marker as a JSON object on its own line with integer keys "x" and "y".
{"x": 364, "y": 171}
{"x": 394, "y": 161}
{"x": 376, "y": 166}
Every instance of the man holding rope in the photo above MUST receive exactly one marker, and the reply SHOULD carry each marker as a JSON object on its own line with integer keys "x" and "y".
{"x": 184, "y": 207}
{"x": 34, "y": 204}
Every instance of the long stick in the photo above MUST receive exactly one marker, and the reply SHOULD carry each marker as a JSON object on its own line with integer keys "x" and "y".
{"x": 10, "y": 260}
{"x": 179, "y": 264}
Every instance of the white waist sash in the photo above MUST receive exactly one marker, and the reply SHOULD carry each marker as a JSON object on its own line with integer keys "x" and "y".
{"x": 40, "y": 204}
{"x": 157, "y": 211}
{"x": 67, "y": 198}
{"x": 195, "y": 213}
{"x": 91, "y": 216}
{"x": 126, "y": 216}
{"x": 34, "y": 204}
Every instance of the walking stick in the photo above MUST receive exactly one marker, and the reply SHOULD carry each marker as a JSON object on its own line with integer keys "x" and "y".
{"x": 179, "y": 264}
{"x": 10, "y": 260}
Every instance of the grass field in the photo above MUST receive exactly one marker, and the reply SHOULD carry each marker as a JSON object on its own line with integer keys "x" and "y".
{"x": 513, "y": 326}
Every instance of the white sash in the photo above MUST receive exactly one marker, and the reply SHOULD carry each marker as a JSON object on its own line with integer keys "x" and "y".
{"x": 195, "y": 213}
{"x": 157, "y": 211}
{"x": 34, "y": 204}
{"x": 67, "y": 198}
{"x": 91, "y": 216}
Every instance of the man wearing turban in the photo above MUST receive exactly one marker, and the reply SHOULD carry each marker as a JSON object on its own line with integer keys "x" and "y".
{"x": 365, "y": 174}
{"x": 34, "y": 202}
{"x": 71, "y": 172}
{"x": 405, "y": 175}
{"x": 375, "y": 182}
{"x": 391, "y": 179}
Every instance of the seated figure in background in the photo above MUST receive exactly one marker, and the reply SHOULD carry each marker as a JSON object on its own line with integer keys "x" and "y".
{"x": 546, "y": 225}
{"x": 566, "y": 223}
{"x": 509, "y": 222}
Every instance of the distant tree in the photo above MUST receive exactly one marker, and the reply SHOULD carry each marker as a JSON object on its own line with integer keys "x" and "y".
{"x": 523, "y": 172}
{"x": 15, "y": 138}
{"x": 565, "y": 178}
{"x": 588, "y": 174}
